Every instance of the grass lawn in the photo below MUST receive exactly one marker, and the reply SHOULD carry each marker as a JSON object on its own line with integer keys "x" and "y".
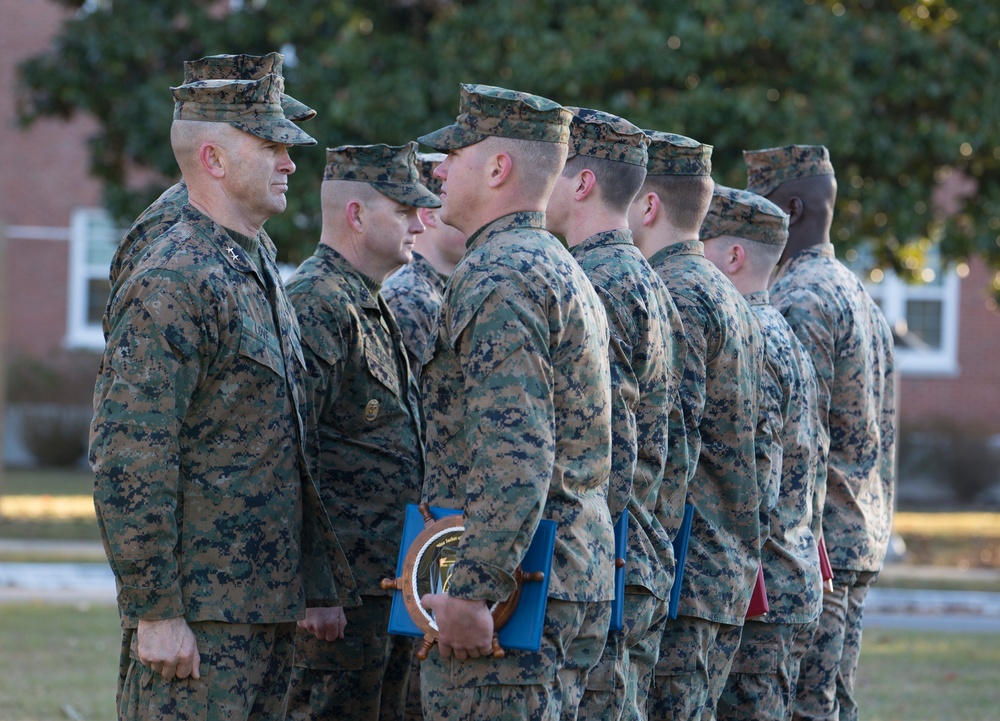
{"x": 61, "y": 662}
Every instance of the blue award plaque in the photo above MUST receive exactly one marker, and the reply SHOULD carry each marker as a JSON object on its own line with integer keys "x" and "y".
{"x": 621, "y": 546}
{"x": 426, "y": 554}
{"x": 680, "y": 556}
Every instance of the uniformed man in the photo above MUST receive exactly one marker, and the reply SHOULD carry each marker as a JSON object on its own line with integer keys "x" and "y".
{"x": 589, "y": 207}
{"x": 416, "y": 290}
{"x": 518, "y": 417}
{"x": 364, "y": 433}
{"x": 719, "y": 392}
{"x": 165, "y": 210}
{"x": 851, "y": 347}
{"x": 212, "y": 525}
{"x": 744, "y": 236}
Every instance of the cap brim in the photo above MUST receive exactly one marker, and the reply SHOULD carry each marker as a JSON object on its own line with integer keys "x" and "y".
{"x": 296, "y": 111}
{"x": 451, "y": 137}
{"x": 282, "y": 131}
{"x": 412, "y": 194}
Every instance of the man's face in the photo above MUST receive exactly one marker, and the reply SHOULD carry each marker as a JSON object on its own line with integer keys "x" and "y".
{"x": 390, "y": 230}
{"x": 461, "y": 173}
{"x": 257, "y": 175}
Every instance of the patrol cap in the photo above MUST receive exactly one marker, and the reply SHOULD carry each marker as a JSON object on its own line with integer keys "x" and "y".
{"x": 426, "y": 162}
{"x": 671, "y": 154}
{"x": 596, "y": 134}
{"x": 253, "y": 106}
{"x": 486, "y": 110}
{"x": 771, "y": 167}
{"x": 246, "y": 67}
{"x": 390, "y": 169}
{"x": 743, "y": 214}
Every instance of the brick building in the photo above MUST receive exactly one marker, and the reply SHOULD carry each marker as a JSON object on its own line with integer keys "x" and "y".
{"x": 58, "y": 243}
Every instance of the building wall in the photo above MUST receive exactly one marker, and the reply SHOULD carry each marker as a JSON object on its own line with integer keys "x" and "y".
{"x": 972, "y": 396}
{"x": 43, "y": 177}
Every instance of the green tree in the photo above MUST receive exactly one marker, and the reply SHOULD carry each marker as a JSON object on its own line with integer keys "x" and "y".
{"x": 903, "y": 92}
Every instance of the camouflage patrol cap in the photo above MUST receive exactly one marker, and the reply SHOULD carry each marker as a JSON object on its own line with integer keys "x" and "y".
{"x": 426, "y": 162}
{"x": 671, "y": 154}
{"x": 246, "y": 67}
{"x": 771, "y": 167}
{"x": 596, "y": 134}
{"x": 250, "y": 105}
{"x": 390, "y": 169}
{"x": 485, "y": 110}
{"x": 742, "y": 214}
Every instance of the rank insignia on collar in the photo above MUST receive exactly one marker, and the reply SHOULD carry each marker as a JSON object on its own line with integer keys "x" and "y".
{"x": 232, "y": 252}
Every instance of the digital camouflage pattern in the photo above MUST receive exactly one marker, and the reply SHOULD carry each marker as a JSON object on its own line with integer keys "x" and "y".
{"x": 695, "y": 658}
{"x": 643, "y": 380}
{"x": 244, "y": 674}
{"x": 486, "y": 110}
{"x": 762, "y": 680}
{"x": 426, "y": 163}
{"x": 247, "y": 67}
{"x": 790, "y": 556}
{"x": 518, "y": 413}
{"x": 719, "y": 392}
{"x": 830, "y": 664}
{"x": 198, "y": 426}
{"x": 390, "y": 169}
{"x": 363, "y": 440}
{"x": 771, "y": 167}
{"x": 596, "y": 134}
{"x": 362, "y": 677}
{"x": 851, "y": 346}
{"x": 671, "y": 154}
{"x": 543, "y": 685}
{"x": 253, "y": 106}
{"x": 639, "y": 310}
{"x": 741, "y": 214}
{"x": 414, "y": 293}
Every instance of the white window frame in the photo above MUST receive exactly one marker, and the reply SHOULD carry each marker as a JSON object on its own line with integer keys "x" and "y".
{"x": 80, "y": 333}
{"x": 892, "y": 294}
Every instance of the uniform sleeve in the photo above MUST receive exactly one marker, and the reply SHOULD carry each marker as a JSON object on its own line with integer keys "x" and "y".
{"x": 624, "y": 401}
{"x": 149, "y": 375}
{"x": 693, "y": 382}
{"x": 767, "y": 445}
{"x": 511, "y": 414}
{"x": 808, "y": 320}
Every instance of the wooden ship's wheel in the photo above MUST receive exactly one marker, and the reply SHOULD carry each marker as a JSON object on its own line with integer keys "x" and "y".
{"x": 427, "y": 569}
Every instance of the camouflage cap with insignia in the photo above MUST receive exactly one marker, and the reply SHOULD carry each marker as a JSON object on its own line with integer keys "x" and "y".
{"x": 426, "y": 162}
{"x": 671, "y": 154}
{"x": 485, "y": 110}
{"x": 596, "y": 134}
{"x": 253, "y": 106}
{"x": 742, "y": 214}
{"x": 246, "y": 67}
{"x": 390, "y": 169}
{"x": 771, "y": 167}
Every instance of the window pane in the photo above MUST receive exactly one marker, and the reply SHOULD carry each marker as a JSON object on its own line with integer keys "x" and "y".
{"x": 923, "y": 318}
{"x": 102, "y": 239}
{"x": 97, "y": 298}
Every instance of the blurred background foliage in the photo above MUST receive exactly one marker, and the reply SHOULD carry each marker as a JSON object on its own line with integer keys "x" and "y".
{"x": 904, "y": 93}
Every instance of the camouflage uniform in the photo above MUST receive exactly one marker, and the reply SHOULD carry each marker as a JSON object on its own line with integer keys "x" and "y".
{"x": 518, "y": 429}
{"x": 364, "y": 449}
{"x": 851, "y": 347}
{"x": 726, "y": 434}
{"x": 761, "y": 684}
{"x": 203, "y": 497}
{"x": 641, "y": 317}
{"x": 415, "y": 293}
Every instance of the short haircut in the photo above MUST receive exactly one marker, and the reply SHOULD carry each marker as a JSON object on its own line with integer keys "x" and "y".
{"x": 618, "y": 182}
{"x": 538, "y": 162}
{"x": 686, "y": 198}
{"x": 762, "y": 257}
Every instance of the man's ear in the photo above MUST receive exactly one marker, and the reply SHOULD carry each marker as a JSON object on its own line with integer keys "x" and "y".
{"x": 354, "y": 213}
{"x": 736, "y": 257}
{"x": 428, "y": 216}
{"x": 650, "y": 207}
{"x": 585, "y": 184}
{"x": 500, "y": 167}
{"x": 212, "y": 159}
{"x": 794, "y": 209}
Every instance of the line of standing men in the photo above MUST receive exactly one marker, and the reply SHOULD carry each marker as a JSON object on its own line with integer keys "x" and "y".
{"x": 239, "y": 421}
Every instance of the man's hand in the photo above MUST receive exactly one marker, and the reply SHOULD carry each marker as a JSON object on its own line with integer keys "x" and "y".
{"x": 168, "y": 647}
{"x": 326, "y": 624}
{"x": 465, "y": 628}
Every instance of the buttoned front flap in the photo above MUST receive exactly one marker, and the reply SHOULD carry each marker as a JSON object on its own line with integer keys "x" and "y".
{"x": 260, "y": 344}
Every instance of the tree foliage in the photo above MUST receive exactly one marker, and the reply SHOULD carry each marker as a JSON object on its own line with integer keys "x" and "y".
{"x": 903, "y": 92}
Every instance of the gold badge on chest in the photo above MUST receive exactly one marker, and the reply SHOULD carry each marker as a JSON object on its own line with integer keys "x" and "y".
{"x": 371, "y": 410}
